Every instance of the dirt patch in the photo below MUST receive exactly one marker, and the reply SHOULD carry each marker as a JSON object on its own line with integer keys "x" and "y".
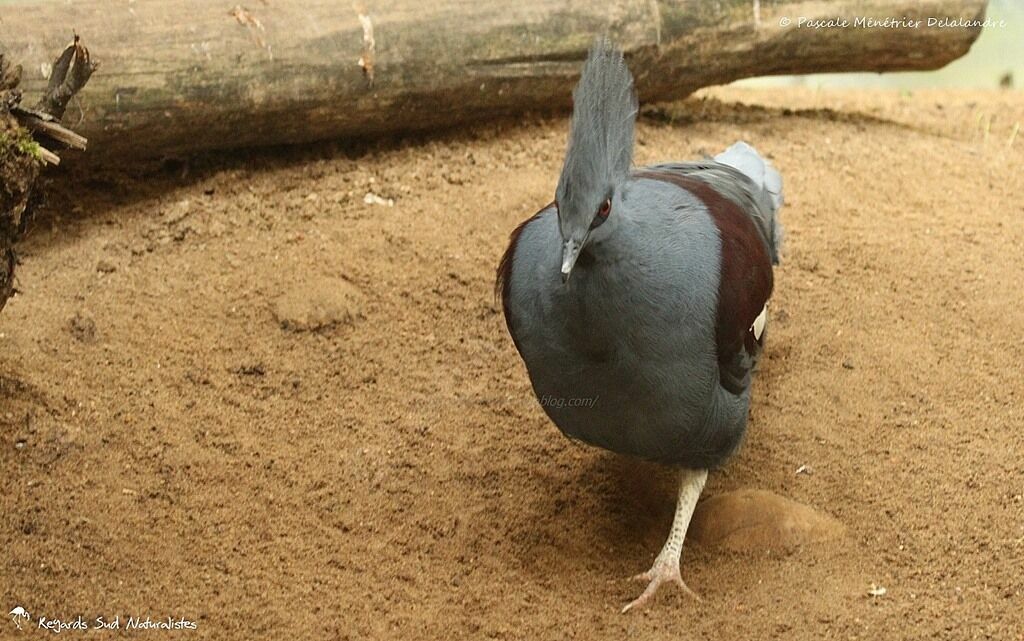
{"x": 393, "y": 476}
{"x": 318, "y": 303}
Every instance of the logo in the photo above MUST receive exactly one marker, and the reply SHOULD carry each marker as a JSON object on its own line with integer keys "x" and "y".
{"x": 133, "y": 622}
{"x": 18, "y": 614}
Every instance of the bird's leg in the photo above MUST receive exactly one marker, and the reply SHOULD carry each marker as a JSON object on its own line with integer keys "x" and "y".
{"x": 666, "y": 566}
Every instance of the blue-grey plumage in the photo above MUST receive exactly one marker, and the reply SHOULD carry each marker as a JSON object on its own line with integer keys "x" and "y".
{"x": 622, "y": 331}
{"x": 637, "y": 298}
{"x": 625, "y": 352}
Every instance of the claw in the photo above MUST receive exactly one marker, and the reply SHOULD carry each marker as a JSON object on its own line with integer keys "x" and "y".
{"x": 656, "y": 576}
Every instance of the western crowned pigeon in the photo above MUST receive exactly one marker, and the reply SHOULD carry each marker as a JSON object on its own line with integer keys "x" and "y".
{"x": 637, "y": 298}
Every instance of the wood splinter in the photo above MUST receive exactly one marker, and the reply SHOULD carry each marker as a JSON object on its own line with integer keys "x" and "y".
{"x": 71, "y": 71}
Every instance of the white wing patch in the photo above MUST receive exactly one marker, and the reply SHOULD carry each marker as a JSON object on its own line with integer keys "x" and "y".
{"x": 759, "y": 323}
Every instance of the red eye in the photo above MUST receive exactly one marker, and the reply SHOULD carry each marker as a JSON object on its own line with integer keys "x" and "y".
{"x": 602, "y": 213}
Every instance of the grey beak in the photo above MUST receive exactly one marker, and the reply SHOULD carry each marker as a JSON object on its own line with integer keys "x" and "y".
{"x": 570, "y": 252}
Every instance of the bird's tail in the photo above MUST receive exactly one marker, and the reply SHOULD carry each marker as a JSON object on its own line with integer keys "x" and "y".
{"x": 745, "y": 158}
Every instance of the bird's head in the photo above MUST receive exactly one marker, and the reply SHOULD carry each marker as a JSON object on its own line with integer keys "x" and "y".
{"x": 599, "y": 154}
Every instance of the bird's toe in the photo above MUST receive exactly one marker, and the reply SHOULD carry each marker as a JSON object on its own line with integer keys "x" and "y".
{"x": 659, "y": 574}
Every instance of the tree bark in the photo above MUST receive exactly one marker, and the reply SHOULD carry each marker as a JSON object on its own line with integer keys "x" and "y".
{"x": 188, "y": 75}
{"x": 18, "y": 171}
{"x": 22, "y": 155}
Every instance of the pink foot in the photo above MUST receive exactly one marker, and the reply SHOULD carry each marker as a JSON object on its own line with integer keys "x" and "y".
{"x": 661, "y": 572}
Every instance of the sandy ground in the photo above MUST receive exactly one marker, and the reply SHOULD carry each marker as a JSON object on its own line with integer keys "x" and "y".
{"x": 168, "y": 449}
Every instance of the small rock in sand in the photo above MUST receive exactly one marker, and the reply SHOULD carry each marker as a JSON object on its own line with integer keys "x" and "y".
{"x": 757, "y": 520}
{"x": 318, "y": 303}
{"x": 373, "y": 199}
{"x": 82, "y": 328}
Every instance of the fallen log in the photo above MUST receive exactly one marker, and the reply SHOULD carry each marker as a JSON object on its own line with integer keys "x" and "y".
{"x": 188, "y": 75}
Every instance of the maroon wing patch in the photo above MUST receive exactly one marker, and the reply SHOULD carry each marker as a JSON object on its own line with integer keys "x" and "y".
{"x": 746, "y": 269}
